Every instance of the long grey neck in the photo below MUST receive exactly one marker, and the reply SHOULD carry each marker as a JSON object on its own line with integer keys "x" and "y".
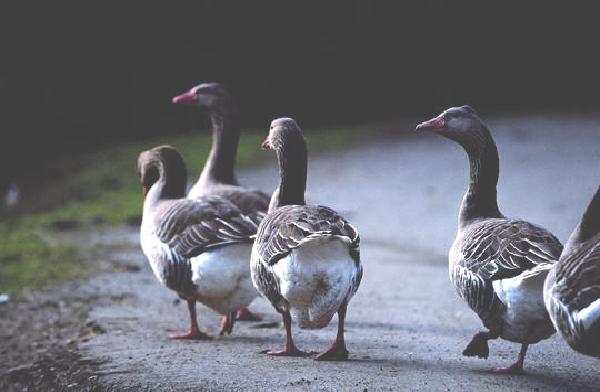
{"x": 220, "y": 165}
{"x": 170, "y": 185}
{"x": 292, "y": 172}
{"x": 480, "y": 200}
{"x": 590, "y": 223}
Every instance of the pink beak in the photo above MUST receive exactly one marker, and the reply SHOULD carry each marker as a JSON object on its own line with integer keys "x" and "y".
{"x": 188, "y": 98}
{"x": 434, "y": 123}
{"x": 265, "y": 145}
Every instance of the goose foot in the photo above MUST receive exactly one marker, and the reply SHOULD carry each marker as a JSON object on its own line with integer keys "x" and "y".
{"x": 479, "y": 345}
{"x": 191, "y": 335}
{"x": 245, "y": 314}
{"x": 337, "y": 352}
{"x": 517, "y": 367}
{"x": 290, "y": 349}
{"x": 288, "y": 352}
{"x": 512, "y": 369}
{"x": 227, "y": 324}
{"x": 194, "y": 332}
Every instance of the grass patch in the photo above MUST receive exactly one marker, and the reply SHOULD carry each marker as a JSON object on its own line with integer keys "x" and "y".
{"x": 27, "y": 260}
{"x": 102, "y": 188}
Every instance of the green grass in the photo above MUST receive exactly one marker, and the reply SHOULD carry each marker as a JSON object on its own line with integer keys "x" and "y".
{"x": 27, "y": 260}
{"x": 102, "y": 188}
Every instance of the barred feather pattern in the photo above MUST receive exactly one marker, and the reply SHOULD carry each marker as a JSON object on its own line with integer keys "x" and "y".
{"x": 177, "y": 272}
{"x": 284, "y": 229}
{"x": 252, "y": 203}
{"x": 573, "y": 286}
{"x": 288, "y": 226}
{"x": 477, "y": 292}
{"x": 494, "y": 249}
{"x": 190, "y": 227}
{"x": 268, "y": 285}
{"x": 175, "y": 231}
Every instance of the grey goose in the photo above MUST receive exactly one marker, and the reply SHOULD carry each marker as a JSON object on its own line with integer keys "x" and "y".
{"x": 306, "y": 258}
{"x": 218, "y": 175}
{"x": 197, "y": 248}
{"x": 497, "y": 264}
{"x": 572, "y": 288}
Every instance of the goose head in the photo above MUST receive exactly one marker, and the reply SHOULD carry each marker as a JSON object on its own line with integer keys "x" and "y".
{"x": 165, "y": 165}
{"x": 456, "y": 123}
{"x": 283, "y": 132}
{"x": 206, "y": 96}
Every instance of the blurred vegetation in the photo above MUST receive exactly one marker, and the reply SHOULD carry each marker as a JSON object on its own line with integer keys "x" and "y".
{"x": 102, "y": 188}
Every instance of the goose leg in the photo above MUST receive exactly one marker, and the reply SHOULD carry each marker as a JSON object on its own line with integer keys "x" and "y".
{"x": 479, "y": 345}
{"x": 227, "y": 323}
{"x": 337, "y": 351}
{"x": 517, "y": 367}
{"x": 194, "y": 332}
{"x": 290, "y": 348}
{"x": 245, "y": 314}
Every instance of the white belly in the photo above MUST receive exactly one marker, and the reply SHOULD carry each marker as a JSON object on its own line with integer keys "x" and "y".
{"x": 223, "y": 278}
{"x": 314, "y": 279}
{"x": 526, "y": 319}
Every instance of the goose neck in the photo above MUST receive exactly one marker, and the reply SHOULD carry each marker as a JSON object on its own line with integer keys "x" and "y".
{"x": 220, "y": 164}
{"x": 480, "y": 200}
{"x": 292, "y": 174}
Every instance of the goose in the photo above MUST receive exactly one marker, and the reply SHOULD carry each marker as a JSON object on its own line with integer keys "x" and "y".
{"x": 218, "y": 176}
{"x": 497, "y": 264}
{"x": 197, "y": 248}
{"x": 572, "y": 288}
{"x": 305, "y": 258}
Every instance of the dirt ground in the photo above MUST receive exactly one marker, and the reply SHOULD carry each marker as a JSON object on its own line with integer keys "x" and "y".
{"x": 406, "y": 327}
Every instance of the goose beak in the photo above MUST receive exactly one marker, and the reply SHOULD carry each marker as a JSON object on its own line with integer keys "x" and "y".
{"x": 188, "y": 98}
{"x": 265, "y": 145}
{"x": 435, "y": 123}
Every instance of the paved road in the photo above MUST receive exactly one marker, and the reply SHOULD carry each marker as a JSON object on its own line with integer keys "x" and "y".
{"x": 406, "y": 327}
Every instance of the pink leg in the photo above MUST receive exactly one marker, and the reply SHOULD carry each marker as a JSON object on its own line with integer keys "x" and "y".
{"x": 517, "y": 367}
{"x": 245, "y": 314}
{"x": 227, "y": 323}
{"x": 290, "y": 348}
{"x": 479, "y": 345}
{"x": 337, "y": 351}
{"x": 194, "y": 332}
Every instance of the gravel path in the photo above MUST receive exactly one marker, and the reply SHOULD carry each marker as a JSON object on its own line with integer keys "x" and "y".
{"x": 406, "y": 327}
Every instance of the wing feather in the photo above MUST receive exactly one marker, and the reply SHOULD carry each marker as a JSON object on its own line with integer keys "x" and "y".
{"x": 190, "y": 227}
{"x": 287, "y": 227}
{"x": 503, "y": 248}
{"x": 497, "y": 249}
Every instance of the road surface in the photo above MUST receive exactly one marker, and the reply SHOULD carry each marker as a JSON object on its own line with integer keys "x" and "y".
{"x": 406, "y": 327}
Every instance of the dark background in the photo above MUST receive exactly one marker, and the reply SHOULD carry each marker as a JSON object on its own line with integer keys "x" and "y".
{"x": 78, "y": 76}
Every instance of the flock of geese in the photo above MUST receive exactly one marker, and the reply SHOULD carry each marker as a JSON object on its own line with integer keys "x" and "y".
{"x": 223, "y": 244}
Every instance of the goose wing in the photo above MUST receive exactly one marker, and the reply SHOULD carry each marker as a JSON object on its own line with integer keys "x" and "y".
{"x": 498, "y": 249}
{"x": 190, "y": 227}
{"x": 503, "y": 248}
{"x": 289, "y": 226}
{"x": 252, "y": 203}
{"x": 578, "y": 276}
